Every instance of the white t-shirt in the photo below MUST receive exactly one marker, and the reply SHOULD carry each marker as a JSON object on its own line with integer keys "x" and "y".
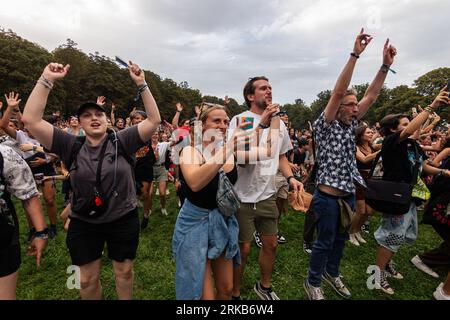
{"x": 23, "y": 138}
{"x": 162, "y": 151}
{"x": 256, "y": 182}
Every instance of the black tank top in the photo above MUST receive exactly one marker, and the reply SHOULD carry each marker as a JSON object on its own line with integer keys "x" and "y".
{"x": 364, "y": 166}
{"x": 206, "y": 197}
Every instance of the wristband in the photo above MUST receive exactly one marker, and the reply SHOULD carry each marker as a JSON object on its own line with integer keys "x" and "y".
{"x": 42, "y": 234}
{"x": 289, "y": 179}
{"x": 263, "y": 126}
{"x": 386, "y": 68}
{"x": 140, "y": 90}
{"x": 354, "y": 55}
{"x": 429, "y": 110}
{"x": 45, "y": 82}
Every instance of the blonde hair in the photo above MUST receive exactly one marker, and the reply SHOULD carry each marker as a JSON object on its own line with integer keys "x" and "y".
{"x": 206, "y": 108}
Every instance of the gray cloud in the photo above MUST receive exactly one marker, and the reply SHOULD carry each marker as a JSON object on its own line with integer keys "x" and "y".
{"x": 216, "y": 45}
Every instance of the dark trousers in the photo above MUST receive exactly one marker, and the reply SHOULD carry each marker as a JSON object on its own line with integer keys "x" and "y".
{"x": 309, "y": 227}
{"x": 440, "y": 256}
{"x": 329, "y": 245}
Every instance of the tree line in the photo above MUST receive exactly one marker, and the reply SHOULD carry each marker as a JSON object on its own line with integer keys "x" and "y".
{"x": 92, "y": 75}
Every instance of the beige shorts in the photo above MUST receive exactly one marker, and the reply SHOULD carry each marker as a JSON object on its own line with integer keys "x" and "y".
{"x": 261, "y": 216}
{"x": 281, "y": 185}
{"x": 160, "y": 174}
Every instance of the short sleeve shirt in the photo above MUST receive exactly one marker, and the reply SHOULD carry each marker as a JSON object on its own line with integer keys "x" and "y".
{"x": 336, "y": 155}
{"x": 83, "y": 173}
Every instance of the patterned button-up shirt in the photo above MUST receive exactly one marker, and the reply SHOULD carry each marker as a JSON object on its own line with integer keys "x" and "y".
{"x": 336, "y": 155}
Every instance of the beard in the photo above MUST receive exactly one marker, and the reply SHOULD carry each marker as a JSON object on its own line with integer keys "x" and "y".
{"x": 261, "y": 104}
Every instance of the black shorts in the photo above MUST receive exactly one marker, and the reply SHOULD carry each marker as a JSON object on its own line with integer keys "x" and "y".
{"x": 9, "y": 260}
{"x": 86, "y": 241}
{"x": 143, "y": 172}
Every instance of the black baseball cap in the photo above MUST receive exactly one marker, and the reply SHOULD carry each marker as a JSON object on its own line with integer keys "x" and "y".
{"x": 88, "y": 105}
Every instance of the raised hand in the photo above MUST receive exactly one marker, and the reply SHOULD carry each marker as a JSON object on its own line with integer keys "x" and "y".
{"x": 12, "y": 99}
{"x": 362, "y": 41}
{"x": 441, "y": 99}
{"x": 113, "y": 107}
{"x": 101, "y": 101}
{"x": 136, "y": 73}
{"x": 179, "y": 107}
{"x": 197, "y": 111}
{"x": 55, "y": 71}
{"x": 226, "y": 101}
{"x": 389, "y": 52}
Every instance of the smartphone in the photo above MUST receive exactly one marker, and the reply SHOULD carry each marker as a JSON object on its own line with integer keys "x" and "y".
{"x": 249, "y": 126}
{"x": 121, "y": 62}
{"x": 448, "y": 87}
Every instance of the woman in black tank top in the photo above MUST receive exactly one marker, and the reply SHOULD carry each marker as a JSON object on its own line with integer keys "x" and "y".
{"x": 200, "y": 228}
{"x": 365, "y": 156}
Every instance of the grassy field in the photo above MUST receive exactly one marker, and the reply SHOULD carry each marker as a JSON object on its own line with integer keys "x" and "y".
{"x": 155, "y": 268}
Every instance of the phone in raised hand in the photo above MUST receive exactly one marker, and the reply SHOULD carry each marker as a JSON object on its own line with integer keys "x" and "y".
{"x": 121, "y": 62}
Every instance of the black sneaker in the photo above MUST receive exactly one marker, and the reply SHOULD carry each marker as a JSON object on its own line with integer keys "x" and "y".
{"x": 265, "y": 294}
{"x": 281, "y": 239}
{"x": 392, "y": 271}
{"x": 365, "y": 228}
{"x": 307, "y": 248}
{"x": 52, "y": 231}
{"x": 257, "y": 239}
{"x": 144, "y": 223}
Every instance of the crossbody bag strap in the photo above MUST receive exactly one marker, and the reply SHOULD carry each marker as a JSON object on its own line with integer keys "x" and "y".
{"x": 374, "y": 165}
{"x": 98, "y": 178}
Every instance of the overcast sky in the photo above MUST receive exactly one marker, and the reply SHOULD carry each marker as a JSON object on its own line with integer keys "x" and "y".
{"x": 300, "y": 45}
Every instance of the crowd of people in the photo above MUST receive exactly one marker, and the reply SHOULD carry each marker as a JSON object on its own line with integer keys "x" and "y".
{"x": 109, "y": 165}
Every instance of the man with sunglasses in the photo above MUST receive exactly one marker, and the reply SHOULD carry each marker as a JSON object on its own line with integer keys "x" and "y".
{"x": 337, "y": 171}
{"x": 256, "y": 186}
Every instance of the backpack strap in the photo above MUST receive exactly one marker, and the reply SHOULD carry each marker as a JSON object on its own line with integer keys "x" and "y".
{"x": 79, "y": 141}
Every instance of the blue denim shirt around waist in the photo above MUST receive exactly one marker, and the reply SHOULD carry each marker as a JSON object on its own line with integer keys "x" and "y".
{"x": 199, "y": 234}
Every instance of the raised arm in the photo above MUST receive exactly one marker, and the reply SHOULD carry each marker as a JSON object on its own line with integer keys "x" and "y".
{"x": 35, "y": 106}
{"x": 113, "y": 117}
{"x": 372, "y": 92}
{"x": 441, "y": 99}
{"x": 343, "y": 82}
{"x": 147, "y": 127}
{"x": 176, "y": 118}
{"x": 12, "y": 101}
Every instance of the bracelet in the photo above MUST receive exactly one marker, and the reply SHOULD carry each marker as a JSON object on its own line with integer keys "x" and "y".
{"x": 45, "y": 82}
{"x": 42, "y": 234}
{"x": 354, "y": 55}
{"x": 428, "y": 109}
{"x": 289, "y": 179}
{"x": 140, "y": 90}
{"x": 386, "y": 68}
{"x": 263, "y": 126}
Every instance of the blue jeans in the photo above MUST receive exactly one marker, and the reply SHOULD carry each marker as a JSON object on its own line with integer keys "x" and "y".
{"x": 329, "y": 246}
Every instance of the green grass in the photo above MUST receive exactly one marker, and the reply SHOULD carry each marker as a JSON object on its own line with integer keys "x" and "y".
{"x": 155, "y": 268}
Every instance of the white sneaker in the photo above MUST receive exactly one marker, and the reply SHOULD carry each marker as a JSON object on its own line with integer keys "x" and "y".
{"x": 353, "y": 240}
{"x": 157, "y": 192}
{"x": 167, "y": 192}
{"x": 313, "y": 293}
{"x": 164, "y": 211}
{"x": 439, "y": 294}
{"x": 360, "y": 238}
{"x": 418, "y": 263}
